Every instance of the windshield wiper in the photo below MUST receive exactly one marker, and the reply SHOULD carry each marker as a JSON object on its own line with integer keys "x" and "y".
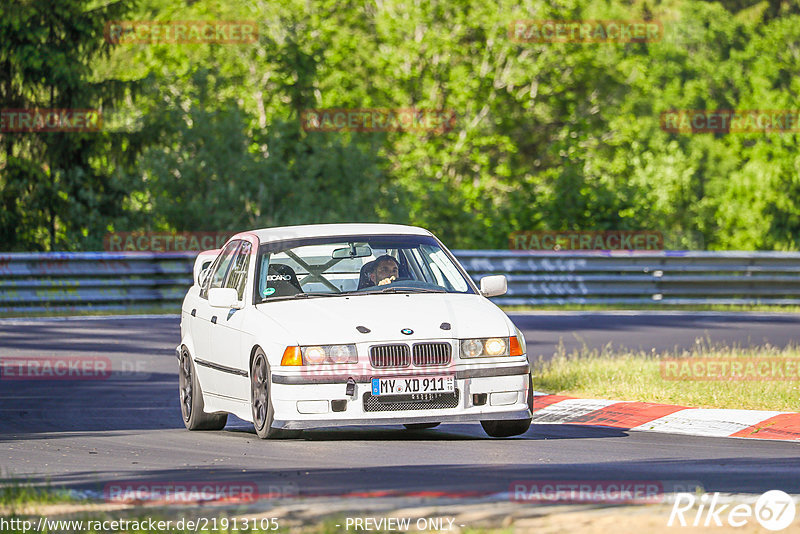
{"x": 299, "y": 296}
{"x": 316, "y": 294}
{"x": 411, "y": 290}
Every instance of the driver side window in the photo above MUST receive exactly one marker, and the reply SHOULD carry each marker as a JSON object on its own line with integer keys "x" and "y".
{"x": 237, "y": 279}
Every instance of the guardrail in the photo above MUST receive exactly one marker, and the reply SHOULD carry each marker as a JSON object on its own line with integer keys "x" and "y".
{"x": 109, "y": 281}
{"x": 93, "y": 280}
{"x": 638, "y": 277}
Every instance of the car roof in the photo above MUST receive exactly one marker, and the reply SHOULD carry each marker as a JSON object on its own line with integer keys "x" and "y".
{"x": 280, "y": 233}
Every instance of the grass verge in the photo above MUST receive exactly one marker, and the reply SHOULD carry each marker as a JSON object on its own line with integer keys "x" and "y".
{"x": 703, "y": 377}
{"x": 14, "y": 493}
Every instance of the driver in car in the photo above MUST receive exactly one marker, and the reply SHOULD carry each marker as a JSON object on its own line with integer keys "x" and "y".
{"x": 385, "y": 271}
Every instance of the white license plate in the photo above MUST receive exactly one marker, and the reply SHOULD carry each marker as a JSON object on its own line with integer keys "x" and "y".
{"x": 419, "y": 384}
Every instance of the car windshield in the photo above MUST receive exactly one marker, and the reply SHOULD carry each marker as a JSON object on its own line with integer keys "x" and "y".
{"x": 364, "y": 264}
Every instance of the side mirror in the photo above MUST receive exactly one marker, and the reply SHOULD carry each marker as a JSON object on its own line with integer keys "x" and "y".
{"x": 494, "y": 286}
{"x": 223, "y": 297}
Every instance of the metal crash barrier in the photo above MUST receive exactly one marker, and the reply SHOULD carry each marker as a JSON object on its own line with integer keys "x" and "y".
{"x": 637, "y": 277}
{"x": 93, "y": 280}
{"x": 113, "y": 281}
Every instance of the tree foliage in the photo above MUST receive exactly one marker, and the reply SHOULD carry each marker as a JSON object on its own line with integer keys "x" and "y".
{"x": 549, "y": 135}
{"x": 58, "y": 189}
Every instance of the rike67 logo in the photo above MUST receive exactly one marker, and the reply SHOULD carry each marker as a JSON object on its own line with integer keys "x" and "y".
{"x": 774, "y": 510}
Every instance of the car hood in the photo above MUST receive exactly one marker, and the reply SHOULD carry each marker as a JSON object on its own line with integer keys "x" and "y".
{"x": 330, "y": 320}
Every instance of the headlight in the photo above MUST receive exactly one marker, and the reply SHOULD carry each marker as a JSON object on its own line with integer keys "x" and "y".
{"x": 496, "y": 346}
{"x": 321, "y": 354}
{"x": 313, "y": 355}
{"x": 471, "y": 348}
{"x": 342, "y": 353}
{"x": 490, "y": 347}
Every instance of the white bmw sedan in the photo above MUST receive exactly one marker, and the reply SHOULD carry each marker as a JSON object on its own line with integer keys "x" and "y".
{"x": 347, "y": 324}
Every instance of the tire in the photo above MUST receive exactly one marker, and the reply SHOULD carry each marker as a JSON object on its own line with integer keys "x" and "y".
{"x": 260, "y": 401}
{"x": 191, "y": 398}
{"x": 420, "y": 426}
{"x": 513, "y": 427}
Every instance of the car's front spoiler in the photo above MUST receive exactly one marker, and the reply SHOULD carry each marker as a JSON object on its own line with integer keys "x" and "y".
{"x": 460, "y": 418}
{"x": 341, "y": 378}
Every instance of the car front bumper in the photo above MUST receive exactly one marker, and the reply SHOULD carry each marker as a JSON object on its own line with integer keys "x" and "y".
{"x": 482, "y": 393}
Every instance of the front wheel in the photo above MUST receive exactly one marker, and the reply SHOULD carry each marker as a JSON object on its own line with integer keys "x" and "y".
{"x": 191, "y": 398}
{"x": 513, "y": 427}
{"x": 263, "y": 412}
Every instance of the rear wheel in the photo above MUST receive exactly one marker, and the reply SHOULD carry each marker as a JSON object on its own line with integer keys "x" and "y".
{"x": 263, "y": 412}
{"x": 513, "y": 427}
{"x": 420, "y": 426}
{"x": 191, "y": 398}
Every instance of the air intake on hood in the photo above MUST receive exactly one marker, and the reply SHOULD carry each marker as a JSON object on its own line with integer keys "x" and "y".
{"x": 389, "y": 355}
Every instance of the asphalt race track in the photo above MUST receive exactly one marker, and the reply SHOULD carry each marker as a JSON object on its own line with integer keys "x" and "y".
{"x": 84, "y": 434}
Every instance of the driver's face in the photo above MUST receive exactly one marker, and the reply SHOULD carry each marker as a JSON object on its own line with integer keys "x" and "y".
{"x": 383, "y": 270}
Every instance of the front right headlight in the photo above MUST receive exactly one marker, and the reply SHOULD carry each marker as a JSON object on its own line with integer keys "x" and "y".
{"x": 487, "y": 347}
{"x": 492, "y": 347}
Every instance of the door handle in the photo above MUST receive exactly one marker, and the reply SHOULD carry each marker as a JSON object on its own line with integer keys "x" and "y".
{"x": 214, "y": 319}
{"x": 194, "y": 312}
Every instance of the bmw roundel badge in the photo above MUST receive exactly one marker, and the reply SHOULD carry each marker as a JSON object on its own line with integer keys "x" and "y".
{"x": 406, "y": 331}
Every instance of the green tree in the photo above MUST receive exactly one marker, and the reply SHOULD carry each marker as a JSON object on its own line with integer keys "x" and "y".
{"x": 58, "y": 188}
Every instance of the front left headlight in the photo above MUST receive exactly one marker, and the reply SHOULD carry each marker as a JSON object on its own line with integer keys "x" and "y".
{"x": 322, "y": 354}
{"x": 490, "y": 347}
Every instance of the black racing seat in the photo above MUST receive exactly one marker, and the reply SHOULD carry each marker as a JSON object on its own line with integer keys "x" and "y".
{"x": 283, "y": 280}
